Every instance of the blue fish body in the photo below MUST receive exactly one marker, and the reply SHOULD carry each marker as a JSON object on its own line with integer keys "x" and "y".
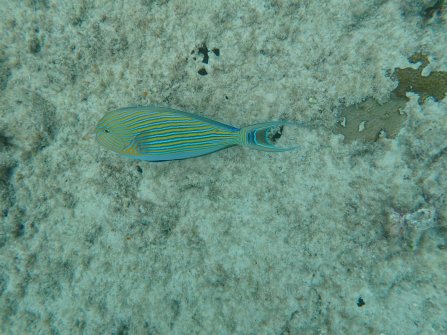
{"x": 155, "y": 133}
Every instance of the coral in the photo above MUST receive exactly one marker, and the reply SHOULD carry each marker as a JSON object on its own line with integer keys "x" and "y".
{"x": 370, "y": 120}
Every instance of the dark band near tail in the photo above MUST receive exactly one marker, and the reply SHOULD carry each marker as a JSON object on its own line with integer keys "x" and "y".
{"x": 264, "y": 136}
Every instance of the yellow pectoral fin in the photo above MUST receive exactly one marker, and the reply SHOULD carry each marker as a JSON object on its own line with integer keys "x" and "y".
{"x": 131, "y": 149}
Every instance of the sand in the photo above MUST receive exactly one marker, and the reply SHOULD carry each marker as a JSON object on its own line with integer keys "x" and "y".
{"x": 338, "y": 237}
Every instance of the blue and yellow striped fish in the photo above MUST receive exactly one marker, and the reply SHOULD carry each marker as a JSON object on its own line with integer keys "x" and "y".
{"x": 160, "y": 134}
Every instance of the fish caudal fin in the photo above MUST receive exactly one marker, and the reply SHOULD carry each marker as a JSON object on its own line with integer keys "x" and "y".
{"x": 269, "y": 136}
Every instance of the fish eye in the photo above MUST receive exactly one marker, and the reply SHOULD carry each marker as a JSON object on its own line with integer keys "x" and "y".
{"x": 106, "y": 131}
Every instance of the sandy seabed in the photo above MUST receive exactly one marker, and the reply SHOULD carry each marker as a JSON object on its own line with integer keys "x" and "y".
{"x": 334, "y": 238}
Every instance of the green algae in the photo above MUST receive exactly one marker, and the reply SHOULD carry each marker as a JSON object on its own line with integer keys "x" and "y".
{"x": 368, "y": 121}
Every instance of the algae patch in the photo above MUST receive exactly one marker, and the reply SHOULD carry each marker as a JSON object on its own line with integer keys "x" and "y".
{"x": 434, "y": 10}
{"x": 370, "y": 120}
{"x": 412, "y": 80}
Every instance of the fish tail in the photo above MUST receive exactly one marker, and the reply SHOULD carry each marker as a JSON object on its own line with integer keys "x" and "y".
{"x": 266, "y": 136}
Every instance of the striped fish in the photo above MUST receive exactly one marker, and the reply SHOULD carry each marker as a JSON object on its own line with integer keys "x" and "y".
{"x": 154, "y": 133}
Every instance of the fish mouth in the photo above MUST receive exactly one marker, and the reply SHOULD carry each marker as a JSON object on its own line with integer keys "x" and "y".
{"x": 100, "y": 132}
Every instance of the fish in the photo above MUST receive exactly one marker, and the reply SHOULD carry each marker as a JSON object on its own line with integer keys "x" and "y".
{"x": 156, "y": 133}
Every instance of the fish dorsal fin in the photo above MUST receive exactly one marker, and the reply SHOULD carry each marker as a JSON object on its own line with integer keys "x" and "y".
{"x": 168, "y": 110}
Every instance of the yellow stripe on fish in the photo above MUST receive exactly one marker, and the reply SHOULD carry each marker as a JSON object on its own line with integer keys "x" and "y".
{"x": 154, "y": 133}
